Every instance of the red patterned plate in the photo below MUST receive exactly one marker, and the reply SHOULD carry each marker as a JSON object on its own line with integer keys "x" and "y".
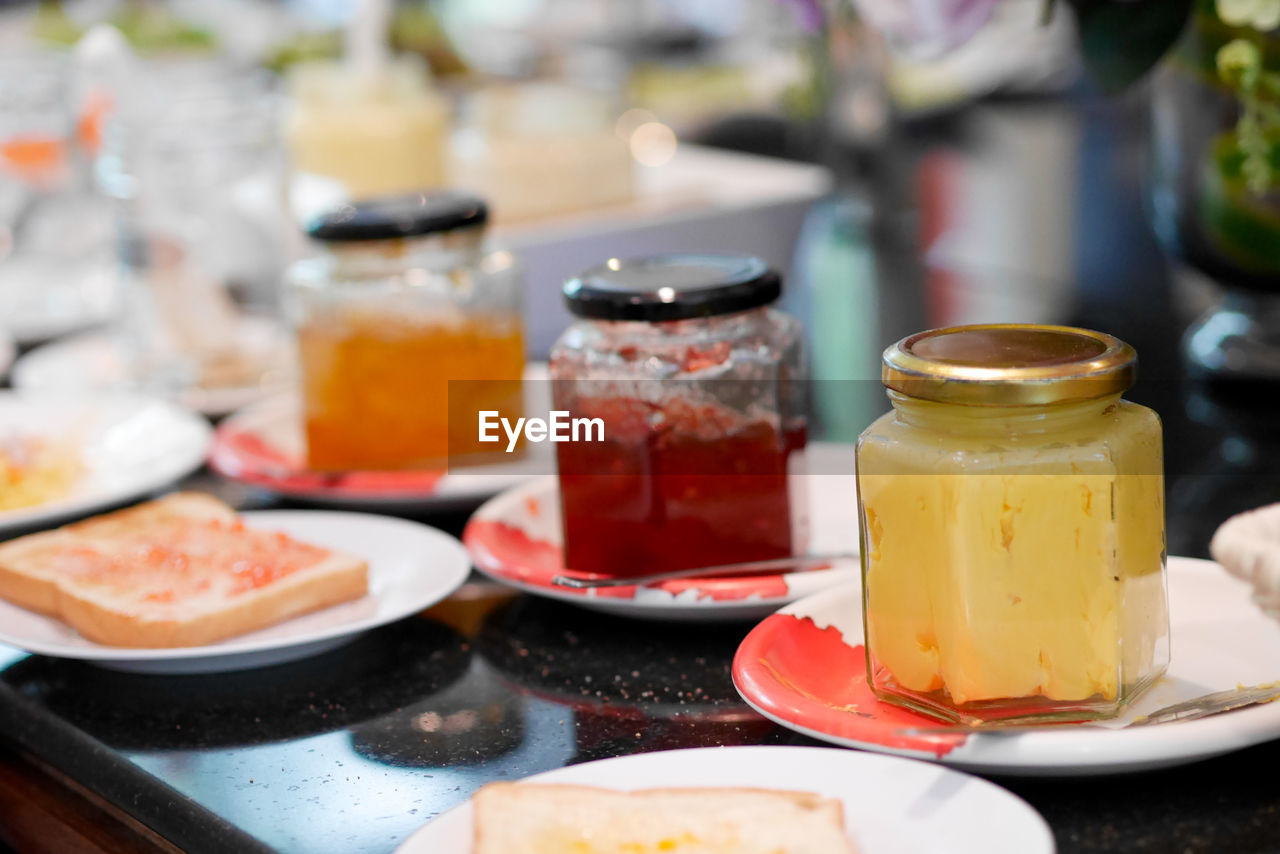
{"x": 804, "y": 668}
{"x": 262, "y": 445}
{"x": 516, "y": 538}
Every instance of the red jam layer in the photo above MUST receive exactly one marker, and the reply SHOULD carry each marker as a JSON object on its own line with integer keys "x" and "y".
{"x": 674, "y": 486}
{"x": 187, "y": 557}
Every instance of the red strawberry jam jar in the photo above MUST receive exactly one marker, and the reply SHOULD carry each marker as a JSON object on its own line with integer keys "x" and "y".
{"x": 690, "y": 392}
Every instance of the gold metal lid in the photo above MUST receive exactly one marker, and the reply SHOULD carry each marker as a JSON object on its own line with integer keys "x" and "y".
{"x": 1009, "y": 364}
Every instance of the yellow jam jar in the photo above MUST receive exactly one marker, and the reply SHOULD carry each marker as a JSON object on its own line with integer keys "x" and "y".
{"x": 1012, "y": 521}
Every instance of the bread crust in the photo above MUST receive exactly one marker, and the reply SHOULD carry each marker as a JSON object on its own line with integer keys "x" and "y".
{"x": 30, "y": 592}
{"x": 26, "y": 581}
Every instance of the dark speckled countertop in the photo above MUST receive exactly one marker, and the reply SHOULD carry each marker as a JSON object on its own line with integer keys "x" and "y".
{"x": 358, "y": 747}
{"x": 353, "y": 750}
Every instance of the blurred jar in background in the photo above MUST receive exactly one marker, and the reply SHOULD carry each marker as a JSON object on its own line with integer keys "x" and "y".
{"x": 404, "y": 299}
{"x": 355, "y": 133}
{"x": 540, "y": 149}
{"x": 193, "y": 161}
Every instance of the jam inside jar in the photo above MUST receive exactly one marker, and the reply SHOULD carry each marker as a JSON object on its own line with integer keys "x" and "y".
{"x": 701, "y": 402}
{"x": 1012, "y": 519}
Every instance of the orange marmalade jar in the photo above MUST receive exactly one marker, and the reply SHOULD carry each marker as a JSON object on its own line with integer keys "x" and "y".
{"x": 404, "y": 300}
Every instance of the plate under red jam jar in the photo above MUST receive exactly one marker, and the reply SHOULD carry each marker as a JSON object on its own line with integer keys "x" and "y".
{"x": 516, "y": 538}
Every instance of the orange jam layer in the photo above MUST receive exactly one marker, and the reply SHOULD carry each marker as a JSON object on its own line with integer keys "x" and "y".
{"x": 376, "y": 387}
{"x": 184, "y": 558}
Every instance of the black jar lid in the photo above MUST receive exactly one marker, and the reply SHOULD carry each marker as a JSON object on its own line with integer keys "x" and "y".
{"x": 672, "y": 287}
{"x": 390, "y": 217}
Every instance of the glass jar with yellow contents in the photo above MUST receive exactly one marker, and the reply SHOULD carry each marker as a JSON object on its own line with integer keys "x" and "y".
{"x": 403, "y": 301}
{"x": 1012, "y": 521}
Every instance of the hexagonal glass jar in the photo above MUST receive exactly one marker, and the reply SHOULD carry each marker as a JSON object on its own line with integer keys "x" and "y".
{"x": 1012, "y": 520}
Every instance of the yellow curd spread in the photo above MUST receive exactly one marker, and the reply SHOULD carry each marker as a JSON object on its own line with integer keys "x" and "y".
{"x": 569, "y": 842}
{"x": 1013, "y": 552}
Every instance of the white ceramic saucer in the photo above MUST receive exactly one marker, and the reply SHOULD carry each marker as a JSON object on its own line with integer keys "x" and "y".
{"x": 411, "y": 567}
{"x": 891, "y": 805}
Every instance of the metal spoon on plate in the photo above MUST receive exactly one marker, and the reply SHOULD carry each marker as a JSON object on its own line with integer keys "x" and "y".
{"x": 782, "y": 563}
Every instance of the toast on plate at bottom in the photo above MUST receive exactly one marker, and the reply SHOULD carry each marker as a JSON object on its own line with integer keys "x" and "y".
{"x": 182, "y": 570}
{"x": 537, "y": 818}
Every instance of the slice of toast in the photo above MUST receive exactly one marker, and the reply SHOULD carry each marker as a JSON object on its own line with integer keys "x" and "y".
{"x": 534, "y": 818}
{"x": 179, "y": 571}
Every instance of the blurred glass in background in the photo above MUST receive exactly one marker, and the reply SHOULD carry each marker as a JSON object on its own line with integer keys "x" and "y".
{"x": 194, "y": 164}
{"x": 54, "y": 230}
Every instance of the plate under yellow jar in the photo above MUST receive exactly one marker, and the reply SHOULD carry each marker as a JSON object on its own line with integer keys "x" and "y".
{"x": 1012, "y": 520}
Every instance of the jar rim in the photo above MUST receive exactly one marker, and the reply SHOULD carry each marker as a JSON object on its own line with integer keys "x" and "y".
{"x": 1009, "y": 364}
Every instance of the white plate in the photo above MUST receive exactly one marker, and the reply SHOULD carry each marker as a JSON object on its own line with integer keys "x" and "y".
{"x": 129, "y": 446}
{"x": 532, "y": 557}
{"x": 91, "y": 360}
{"x": 1219, "y": 638}
{"x": 42, "y": 298}
{"x": 411, "y": 567}
{"x": 892, "y": 806}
